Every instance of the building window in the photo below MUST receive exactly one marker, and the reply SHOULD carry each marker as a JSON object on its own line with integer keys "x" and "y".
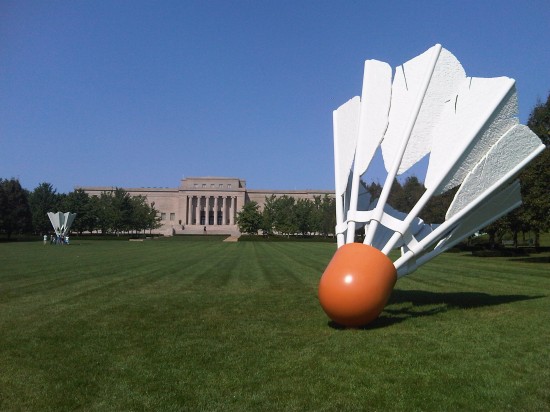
{"x": 204, "y": 185}
{"x": 172, "y": 216}
{"x": 212, "y": 185}
{"x": 221, "y": 186}
{"x": 229, "y": 185}
{"x": 163, "y": 216}
{"x": 196, "y": 185}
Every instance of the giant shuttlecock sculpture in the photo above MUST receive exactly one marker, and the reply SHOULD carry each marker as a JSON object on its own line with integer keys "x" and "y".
{"x": 61, "y": 222}
{"x": 467, "y": 128}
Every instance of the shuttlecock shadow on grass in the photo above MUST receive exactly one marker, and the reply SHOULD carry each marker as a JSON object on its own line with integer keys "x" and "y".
{"x": 409, "y": 304}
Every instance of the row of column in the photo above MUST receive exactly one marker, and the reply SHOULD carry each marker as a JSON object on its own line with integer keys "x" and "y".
{"x": 198, "y": 204}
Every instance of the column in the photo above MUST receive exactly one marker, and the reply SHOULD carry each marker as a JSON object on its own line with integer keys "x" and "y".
{"x": 198, "y": 211}
{"x": 206, "y": 209}
{"x": 187, "y": 214}
{"x": 215, "y": 210}
{"x": 224, "y": 214}
{"x": 232, "y": 211}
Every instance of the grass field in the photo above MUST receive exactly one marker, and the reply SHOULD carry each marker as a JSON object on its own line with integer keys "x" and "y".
{"x": 171, "y": 325}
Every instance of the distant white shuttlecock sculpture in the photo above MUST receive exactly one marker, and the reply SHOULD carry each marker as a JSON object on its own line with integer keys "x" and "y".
{"x": 468, "y": 127}
{"x": 61, "y": 222}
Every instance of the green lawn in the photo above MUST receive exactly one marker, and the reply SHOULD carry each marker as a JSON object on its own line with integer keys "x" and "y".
{"x": 171, "y": 325}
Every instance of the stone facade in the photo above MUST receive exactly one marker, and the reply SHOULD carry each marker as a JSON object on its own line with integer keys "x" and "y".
{"x": 210, "y": 203}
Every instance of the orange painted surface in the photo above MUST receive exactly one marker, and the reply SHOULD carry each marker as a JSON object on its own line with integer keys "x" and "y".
{"x": 356, "y": 285}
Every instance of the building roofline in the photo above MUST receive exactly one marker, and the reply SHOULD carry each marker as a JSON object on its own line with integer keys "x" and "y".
{"x": 212, "y": 177}
{"x": 290, "y": 191}
{"x": 128, "y": 189}
{"x": 179, "y": 189}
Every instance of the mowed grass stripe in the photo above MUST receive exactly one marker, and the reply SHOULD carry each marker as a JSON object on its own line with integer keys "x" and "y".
{"x": 73, "y": 271}
{"x": 274, "y": 265}
{"x": 73, "y": 263}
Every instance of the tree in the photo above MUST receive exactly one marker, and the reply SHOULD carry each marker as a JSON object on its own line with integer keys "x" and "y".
{"x": 279, "y": 215}
{"x": 496, "y": 231}
{"x": 327, "y": 215}
{"x": 534, "y": 179}
{"x": 15, "y": 213}
{"x": 317, "y": 215}
{"x": 374, "y": 189}
{"x": 249, "y": 218}
{"x": 121, "y": 208}
{"x": 153, "y": 218}
{"x": 539, "y": 121}
{"x": 396, "y": 196}
{"x": 268, "y": 214}
{"x": 43, "y": 199}
{"x": 79, "y": 202}
{"x": 116, "y": 211}
{"x": 411, "y": 191}
{"x": 94, "y": 221}
{"x": 140, "y": 213}
{"x": 513, "y": 221}
{"x": 436, "y": 208}
{"x": 285, "y": 220}
{"x": 303, "y": 214}
{"x": 103, "y": 209}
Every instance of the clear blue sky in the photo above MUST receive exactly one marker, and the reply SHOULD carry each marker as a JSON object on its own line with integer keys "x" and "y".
{"x": 141, "y": 93}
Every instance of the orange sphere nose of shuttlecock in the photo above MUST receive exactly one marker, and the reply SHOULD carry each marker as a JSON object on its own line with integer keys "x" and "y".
{"x": 356, "y": 285}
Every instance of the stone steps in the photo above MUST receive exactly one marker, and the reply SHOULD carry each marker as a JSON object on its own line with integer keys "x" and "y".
{"x": 210, "y": 230}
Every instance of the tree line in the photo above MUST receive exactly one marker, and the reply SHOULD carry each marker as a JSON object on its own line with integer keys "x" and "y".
{"x": 286, "y": 215}
{"x": 23, "y": 211}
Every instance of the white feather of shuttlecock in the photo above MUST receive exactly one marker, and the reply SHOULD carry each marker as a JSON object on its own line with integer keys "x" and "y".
{"x": 469, "y": 128}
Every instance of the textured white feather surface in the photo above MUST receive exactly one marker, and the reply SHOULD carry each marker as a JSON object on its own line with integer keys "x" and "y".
{"x": 446, "y": 77}
{"x": 517, "y": 146}
{"x": 471, "y": 122}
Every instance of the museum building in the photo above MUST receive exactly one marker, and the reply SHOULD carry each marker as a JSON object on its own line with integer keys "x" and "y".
{"x": 205, "y": 203}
